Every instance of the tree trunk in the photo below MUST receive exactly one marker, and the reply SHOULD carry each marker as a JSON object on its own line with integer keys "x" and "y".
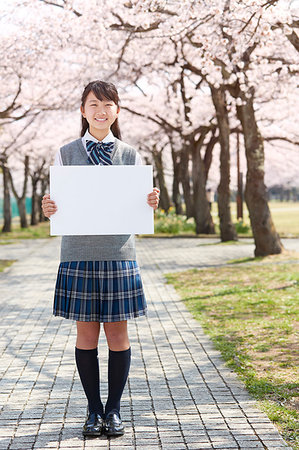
{"x": 185, "y": 180}
{"x": 164, "y": 197}
{"x": 21, "y": 200}
{"x": 267, "y": 241}
{"x": 227, "y": 229}
{"x": 44, "y": 184}
{"x": 34, "y": 200}
{"x": 209, "y": 153}
{"x": 6, "y": 200}
{"x": 202, "y": 214}
{"x": 41, "y": 217}
{"x": 176, "y": 195}
{"x": 22, "y": 211}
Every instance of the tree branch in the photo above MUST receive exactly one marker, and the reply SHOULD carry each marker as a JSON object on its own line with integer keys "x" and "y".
{"x": 16, "y": 137}
{"x": 134, "y": 29}
{"x": 292, "y": 37}
{"x": 48, "y": 2}
{"x": 5, "y": 113}
{"x": 280, "y": 138}
{"x": 120, "y": 58}
{"x": 294, "y": 40}
{"x": 265, "y": 5}
{"x": 161, "y": 122}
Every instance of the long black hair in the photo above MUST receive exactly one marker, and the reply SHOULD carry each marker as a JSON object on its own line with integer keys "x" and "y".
{"x": 102, "y": 91}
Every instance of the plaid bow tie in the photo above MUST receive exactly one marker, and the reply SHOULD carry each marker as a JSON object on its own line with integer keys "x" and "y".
{"x": 100, "y": 152}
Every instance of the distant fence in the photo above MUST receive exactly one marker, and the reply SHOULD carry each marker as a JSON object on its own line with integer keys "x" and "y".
{"x": 14, "y": 207}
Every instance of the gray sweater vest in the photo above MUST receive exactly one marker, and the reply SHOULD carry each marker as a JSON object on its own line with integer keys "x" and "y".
{"x": 99, "y": 247}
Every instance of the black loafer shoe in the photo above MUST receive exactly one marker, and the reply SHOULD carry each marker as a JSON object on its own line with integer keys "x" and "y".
{"x": 113, "y": 425}
{"x": 93, "y": 425}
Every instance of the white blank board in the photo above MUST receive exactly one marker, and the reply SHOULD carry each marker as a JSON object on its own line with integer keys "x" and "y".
{"x": 101, "y": 200}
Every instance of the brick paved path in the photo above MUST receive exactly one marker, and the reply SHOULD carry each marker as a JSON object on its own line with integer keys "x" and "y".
{"x": 180, "y": 395}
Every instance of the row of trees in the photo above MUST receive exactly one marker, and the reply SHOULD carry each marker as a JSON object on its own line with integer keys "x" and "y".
{"x": 24, "y": 164}
{"x": 192, "y": 75}
{"x": 39, "y": 177}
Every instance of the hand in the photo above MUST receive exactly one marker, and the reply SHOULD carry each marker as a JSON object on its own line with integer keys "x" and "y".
{"x": 49, "y": 206}
{"x": 153, "y": 198}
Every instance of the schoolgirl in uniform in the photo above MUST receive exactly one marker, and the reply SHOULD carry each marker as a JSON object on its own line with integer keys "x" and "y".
{"x": 98, "y": 277}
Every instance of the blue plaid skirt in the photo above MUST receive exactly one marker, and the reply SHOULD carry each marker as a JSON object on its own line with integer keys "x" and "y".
{"x": 99, "y": 291}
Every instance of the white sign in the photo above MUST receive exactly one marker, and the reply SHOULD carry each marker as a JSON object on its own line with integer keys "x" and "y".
{"x": 101, "y": 200}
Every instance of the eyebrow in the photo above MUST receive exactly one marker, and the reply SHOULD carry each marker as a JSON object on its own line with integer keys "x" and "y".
{"x": 97, "y": 100}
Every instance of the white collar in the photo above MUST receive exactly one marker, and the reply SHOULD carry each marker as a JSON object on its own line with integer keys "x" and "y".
{"x": 88, "y": 137}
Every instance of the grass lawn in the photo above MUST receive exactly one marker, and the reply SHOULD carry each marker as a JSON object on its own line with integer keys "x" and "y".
{"x": 251, "y": 313}
{"x": 5, "y": 263}
{"x": 40, "y": 231}
{"x": 285, "y": 216}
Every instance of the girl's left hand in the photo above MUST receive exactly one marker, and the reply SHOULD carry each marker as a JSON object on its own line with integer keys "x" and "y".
{"x": 153, "y": 198}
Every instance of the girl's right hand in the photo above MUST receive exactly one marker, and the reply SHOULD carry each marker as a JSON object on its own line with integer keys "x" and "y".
{"x": 49, "y": 206}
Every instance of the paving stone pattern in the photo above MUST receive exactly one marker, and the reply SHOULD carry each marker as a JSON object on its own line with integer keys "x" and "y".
{"x": 180, "y": 395}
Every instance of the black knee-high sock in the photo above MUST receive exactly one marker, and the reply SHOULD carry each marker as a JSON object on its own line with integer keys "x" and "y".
{"x": 88, "y": 368}
{"x": 118, "y": 370}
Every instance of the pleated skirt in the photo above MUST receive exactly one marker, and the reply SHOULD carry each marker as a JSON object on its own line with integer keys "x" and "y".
{"x": 99, "y": 291}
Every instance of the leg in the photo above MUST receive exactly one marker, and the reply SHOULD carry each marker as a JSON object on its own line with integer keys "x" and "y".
{"x": 86, "y": 352}
{"x": 117, "y": 336}
{"x": 87, "y": 335}
{"x": 118, "y": 370}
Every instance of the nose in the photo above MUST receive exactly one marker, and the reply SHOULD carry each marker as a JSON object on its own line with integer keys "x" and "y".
{"x": 100, "y": 113}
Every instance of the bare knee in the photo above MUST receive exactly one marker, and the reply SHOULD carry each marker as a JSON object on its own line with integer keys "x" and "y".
{"x": 117, "y": 335}
{"x": 87, "y": 335}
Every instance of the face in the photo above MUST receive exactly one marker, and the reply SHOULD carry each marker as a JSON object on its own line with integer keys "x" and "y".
{"x": 99, "y": 114}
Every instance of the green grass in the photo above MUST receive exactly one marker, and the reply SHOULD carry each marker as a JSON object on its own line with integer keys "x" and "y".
{"x": 284, "y": 214}
{"x": 285, "y": 256}
{"x": 251, "y": 313}
{"x": 286, "y": 217}
{"x": 40, "y": 231}
{"x": 5, "y": 263}
{"x": 172, "y": 223}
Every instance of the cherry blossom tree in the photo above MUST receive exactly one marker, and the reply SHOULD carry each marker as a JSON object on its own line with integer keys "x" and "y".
{"x": 189, "y": 143}
{"x": 230, "y": 43}
{"x": 6, "y": 196}
{"x": 216, "y": 66}
{"x": 9, "y": 141}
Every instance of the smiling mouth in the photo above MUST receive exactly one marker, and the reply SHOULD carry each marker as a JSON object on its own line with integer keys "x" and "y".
{"x": 100, "y": 120}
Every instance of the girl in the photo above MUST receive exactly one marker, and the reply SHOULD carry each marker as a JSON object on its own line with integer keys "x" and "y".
{"x": 98, "y": 277}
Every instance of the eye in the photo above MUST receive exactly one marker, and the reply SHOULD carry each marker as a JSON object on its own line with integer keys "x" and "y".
{"x": 109, "y": 104}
